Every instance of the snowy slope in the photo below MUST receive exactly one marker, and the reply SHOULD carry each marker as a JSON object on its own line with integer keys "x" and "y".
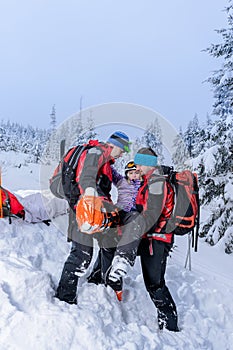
{"x": 31, "y": 260}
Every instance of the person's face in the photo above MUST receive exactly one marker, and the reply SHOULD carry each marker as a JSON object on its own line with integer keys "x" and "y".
{"x": 144, "y": 169}
{"x": 117, "y": 152}
{"x": 133, "y": 174}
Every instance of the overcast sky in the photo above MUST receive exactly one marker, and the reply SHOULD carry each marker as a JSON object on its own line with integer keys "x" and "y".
{"x": 144, "y": 52}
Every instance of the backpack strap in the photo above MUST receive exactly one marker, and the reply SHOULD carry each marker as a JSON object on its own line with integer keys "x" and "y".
{"x": 156, "y": 182}
{"x": 160, "y": 186}
{"x": 195, "y": 235}
{"x": 74, "y": 158}
{"x": 73, "y": 161}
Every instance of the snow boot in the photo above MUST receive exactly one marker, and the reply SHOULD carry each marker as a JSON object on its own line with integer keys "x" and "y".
{"x": 167, "y": 321}
{"x": 167, "y": 314}
{"x": 67, "y": 287}
{"x": 95, "y": 277}
{"x": 118, "y": 269}
{"x": 67, "y": 300}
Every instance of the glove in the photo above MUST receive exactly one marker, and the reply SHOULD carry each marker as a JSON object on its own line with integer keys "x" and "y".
{"x": 119, "y": 269}
{"x": 90, "y": 191}
{"x": 47, "y": 222}
{"x": 112, "y": 218}
{"x": 90, "y": 214}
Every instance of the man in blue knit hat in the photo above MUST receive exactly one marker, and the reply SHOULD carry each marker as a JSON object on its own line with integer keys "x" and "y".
{"x": 119, "y": 139}
{"x": 92, "y": 212}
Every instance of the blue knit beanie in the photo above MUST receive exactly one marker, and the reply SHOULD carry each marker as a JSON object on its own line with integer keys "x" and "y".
{"x": 120, "y": 139}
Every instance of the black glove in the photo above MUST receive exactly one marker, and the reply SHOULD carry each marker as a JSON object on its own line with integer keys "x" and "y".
{"x": 46, "y": 222}
{"x": 113, "y": 218}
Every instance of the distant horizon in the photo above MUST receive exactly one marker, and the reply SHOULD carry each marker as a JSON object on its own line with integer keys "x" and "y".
{"x": 143, "y": 123}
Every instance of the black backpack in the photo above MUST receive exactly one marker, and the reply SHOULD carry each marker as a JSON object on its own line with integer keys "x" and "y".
{"x": 63, "y": 183}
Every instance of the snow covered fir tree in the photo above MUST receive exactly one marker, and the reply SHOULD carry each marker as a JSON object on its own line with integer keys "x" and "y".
{"x": 78, "y": 129}
{"x": 217, "y": 181}
{"x": 211, "y": 146}
{"x": 24, "y": 139}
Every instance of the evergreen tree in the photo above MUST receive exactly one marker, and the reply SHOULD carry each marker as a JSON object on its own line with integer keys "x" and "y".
{"x": 153, "y": 138}
{"x": 53, "y": 119}
{"x": 208, "y": 127}
{"x": 76, "y": 130}
{"x": 18, "y": 138}
{"x": 52, "y": 151}
{"x": 180, "y": 154}
{"x": 89, "y": 132}
{"x": 2, "y": 138}
{"x": 216, "y": 179}
{"x": 136, "y": 145}
{"x": 222, "y": 79}
{"x": 194, "y": 137}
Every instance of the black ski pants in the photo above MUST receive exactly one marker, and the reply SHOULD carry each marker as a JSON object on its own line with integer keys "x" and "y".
{"x": 153, "y": 255}
{"x": 75, "y": 265}
{"x": 79, "y": 260}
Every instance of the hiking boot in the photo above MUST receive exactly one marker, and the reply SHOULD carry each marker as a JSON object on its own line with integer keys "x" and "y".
{"x": 119, "y": 269}
{"x": 66, "y": 295}
{"x": 117, "y": 286}
{"x": 167, "y": 314}
{"x": 68, "y": 301}
{"x": 168, "y": 322}
{"x": 95, "y": 277}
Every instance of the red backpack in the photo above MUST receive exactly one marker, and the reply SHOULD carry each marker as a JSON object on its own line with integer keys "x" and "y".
{"x": 10, "y": 205}
{"x": 181, "y": 211}
{"x": 63, "y": 182}
{"x": 186, "y": 212}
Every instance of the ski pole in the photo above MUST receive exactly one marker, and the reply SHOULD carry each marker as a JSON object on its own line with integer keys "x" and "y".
{"x": 188, "y": 256}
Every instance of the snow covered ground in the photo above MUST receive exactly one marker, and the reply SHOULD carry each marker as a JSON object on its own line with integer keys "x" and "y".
{"x": 31, "y": 260}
